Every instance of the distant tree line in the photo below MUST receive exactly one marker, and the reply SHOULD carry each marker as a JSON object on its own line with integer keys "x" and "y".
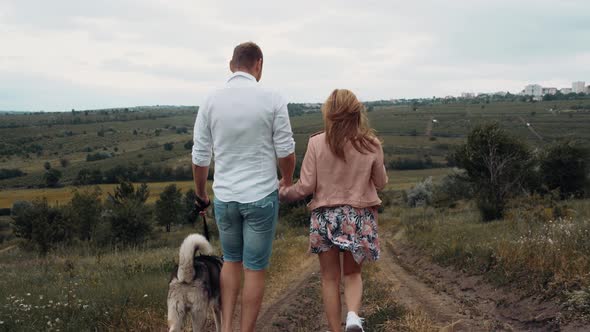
{"x": 135, "y": 173}
{"x": 7, "y": 173}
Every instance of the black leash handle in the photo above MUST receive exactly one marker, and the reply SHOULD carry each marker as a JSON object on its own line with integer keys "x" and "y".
{"x": 201, "y": 205}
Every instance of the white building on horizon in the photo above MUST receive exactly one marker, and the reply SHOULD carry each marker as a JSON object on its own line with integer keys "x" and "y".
{"x": 549, "y": 91}
{"x": 579, "y": 87}
{"x": 565, "y": 91}
{"x": 534, "y": 90}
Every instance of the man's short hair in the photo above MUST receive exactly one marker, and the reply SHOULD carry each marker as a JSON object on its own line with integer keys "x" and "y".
{"x": 246, "y": 55}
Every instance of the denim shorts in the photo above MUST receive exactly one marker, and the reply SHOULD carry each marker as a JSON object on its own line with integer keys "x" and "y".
{"x": 246, "y": 230}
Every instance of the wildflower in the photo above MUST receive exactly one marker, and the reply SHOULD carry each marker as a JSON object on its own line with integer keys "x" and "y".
{"x": 85, "y": 306}
{"x": 1, "y": 322}
{"x": 28, "y": 294}
{"x": 57, "y": 320}
{"x": 40, "y": 297}
{"x": 50, "y": 301}
{"x": 145, "y": 295}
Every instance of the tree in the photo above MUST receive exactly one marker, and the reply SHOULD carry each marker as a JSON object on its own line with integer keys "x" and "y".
{"x": 52, "y": 177}
{"x": 565, "y": 167}
{"x": 168, "y": 146}
{"x": 169, "y": 207}
{"x": 128, "y": 214}
{"x": 85, "y": 210}
{"x": 126, "y": 191}
{"x": 496, "y": 163}
{"x": 47, "y": 165}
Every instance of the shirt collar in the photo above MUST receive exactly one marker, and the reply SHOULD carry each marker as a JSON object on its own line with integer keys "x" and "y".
{"x": 243, "y": 74}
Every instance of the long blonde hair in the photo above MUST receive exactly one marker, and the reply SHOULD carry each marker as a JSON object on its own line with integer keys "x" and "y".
{"x": 345, "y": 120}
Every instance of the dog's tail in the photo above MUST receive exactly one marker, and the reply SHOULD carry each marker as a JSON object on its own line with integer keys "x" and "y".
{"x": 190, "y": 245}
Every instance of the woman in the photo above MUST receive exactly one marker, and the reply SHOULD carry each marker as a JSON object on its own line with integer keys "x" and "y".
{"x": 343, "y": 169}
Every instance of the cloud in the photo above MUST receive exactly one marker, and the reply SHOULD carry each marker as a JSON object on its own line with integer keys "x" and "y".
{"x": 136, "y": 52}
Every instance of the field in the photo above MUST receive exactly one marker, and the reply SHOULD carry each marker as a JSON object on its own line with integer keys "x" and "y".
{"x": 407, "y": 134}
{"x": 442, "y": 268}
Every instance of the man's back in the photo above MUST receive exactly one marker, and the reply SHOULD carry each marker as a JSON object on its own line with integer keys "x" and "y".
{"x": 247, "y": 126}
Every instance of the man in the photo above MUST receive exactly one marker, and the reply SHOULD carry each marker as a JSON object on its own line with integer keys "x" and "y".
{"x": 248, "y": 129}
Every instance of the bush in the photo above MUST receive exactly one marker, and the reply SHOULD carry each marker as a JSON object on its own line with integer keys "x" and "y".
{"x": 47, "y": 165}
{"x": 565, "y": 167}
{"x": 86, "y": 177}
{"x": 98, "y": 156}
{"x": 188, "y": 145}
{"x": 64, "y": 162}
{"x": 168, "y": 146}
{"x": 6, "y": 173}
{"x": 451, "y": 189}
{"x": 409, "y": 164}
{"x": 42, "y": 225}
{"x": 420, "y": 194}
{"x": 497, "y": 164}
{"x": 52, "y": 177}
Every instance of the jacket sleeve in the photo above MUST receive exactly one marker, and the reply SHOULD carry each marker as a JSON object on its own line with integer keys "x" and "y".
{"x": 307, "y": 179}
{"x": 378, "y": 172}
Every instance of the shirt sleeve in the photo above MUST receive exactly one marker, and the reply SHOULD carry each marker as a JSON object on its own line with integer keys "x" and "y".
{"x": 378, "y": 172}
{"x": 202, "y": 146}
{"x": 307, "y": 179}
{"x": 282, "y": 135}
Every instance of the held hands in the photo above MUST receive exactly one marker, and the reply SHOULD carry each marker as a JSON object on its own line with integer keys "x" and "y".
{"x": 283, "y": 185}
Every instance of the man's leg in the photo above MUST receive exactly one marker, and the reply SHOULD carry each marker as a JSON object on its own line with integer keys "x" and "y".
{"x": 260, "y": 220}
{"x": 229, "y": 222}
{"x": 230, "y": 278}
{"x": 251, "y": 298}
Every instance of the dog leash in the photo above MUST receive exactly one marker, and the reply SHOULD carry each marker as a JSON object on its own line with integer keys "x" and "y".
{"x": 200, "y": 205}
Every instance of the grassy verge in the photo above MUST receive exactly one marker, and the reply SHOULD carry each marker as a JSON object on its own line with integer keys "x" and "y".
{"x": 531, "y": 249}
{"x": 82, "y": 289}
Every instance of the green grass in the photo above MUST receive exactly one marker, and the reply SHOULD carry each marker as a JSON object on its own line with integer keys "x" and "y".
{"x": 537, "y": 248}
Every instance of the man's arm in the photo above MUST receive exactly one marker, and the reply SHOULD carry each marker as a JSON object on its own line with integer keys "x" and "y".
{"x": 201, "y": 154}
{"x": 283, "y": 141}
{"x": 200, "y": 177}
{"x": 287, "y": 168}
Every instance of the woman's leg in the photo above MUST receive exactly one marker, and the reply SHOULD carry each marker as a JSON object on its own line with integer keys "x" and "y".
{"x": 353, "y": 283}
{"x": 330, "y": 270}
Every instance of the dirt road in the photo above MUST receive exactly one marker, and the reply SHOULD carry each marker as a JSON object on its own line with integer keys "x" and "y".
{"x": 451, "y": 299}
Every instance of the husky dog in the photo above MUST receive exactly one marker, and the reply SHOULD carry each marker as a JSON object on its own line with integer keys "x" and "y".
{"x": 194, "y": 285}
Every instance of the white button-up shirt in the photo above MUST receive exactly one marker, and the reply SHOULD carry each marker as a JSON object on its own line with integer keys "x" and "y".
{"x": 247, "y": 128}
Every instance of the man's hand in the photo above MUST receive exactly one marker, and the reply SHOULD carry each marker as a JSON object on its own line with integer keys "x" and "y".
{"x": 202, "y": 203}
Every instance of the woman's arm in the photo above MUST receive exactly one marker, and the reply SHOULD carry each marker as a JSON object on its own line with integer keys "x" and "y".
{"x": 378, "y": 172}
{"x": 307, "y": 179}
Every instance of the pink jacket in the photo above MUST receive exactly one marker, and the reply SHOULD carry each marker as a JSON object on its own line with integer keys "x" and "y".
{"x": 335, "y": 182}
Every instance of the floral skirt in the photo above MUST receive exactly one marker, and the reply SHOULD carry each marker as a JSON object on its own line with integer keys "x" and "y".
{"x": 347, "y": 228}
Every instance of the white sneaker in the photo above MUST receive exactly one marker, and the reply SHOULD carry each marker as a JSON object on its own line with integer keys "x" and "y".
{"x": 353, "y": 322}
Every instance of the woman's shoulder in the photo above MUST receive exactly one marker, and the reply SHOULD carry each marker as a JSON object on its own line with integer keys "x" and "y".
{"x": 317, "y": 137}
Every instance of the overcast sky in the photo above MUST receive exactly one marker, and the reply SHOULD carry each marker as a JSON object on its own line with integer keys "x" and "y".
{"x": 83, "y": 54}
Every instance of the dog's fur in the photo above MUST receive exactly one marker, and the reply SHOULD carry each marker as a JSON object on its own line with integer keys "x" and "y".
{"x": 194, "y": 285}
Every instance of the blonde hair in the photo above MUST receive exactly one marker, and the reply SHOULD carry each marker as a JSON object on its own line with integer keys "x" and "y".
{"x": 345, "y": 120}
